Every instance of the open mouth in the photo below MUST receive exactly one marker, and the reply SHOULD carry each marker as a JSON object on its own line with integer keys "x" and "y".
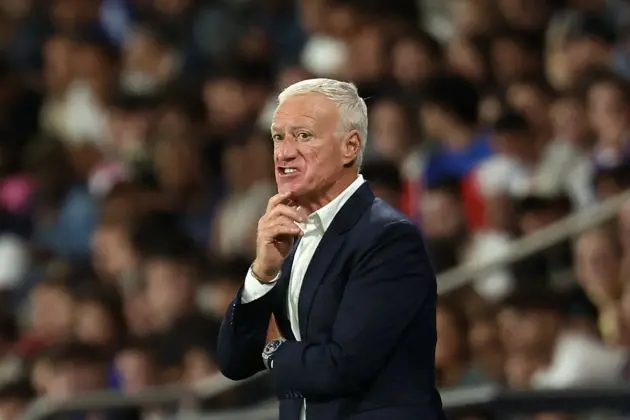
{"x": 286, "y": 171}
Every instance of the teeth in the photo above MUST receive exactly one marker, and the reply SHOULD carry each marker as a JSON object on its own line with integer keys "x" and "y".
{"x": 289, "y": 170}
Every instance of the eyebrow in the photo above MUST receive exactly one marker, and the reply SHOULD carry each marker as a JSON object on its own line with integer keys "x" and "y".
{"x": 275, "y": 128}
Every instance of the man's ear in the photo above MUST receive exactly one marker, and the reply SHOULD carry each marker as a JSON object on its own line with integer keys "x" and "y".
{"x": 351, "y": 147}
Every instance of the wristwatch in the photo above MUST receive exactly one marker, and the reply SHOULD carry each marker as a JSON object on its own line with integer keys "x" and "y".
{"x": 269, "y": 350}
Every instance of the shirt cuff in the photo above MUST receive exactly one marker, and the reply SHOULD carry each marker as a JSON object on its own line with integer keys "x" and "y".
{"x": 253, "y": 289}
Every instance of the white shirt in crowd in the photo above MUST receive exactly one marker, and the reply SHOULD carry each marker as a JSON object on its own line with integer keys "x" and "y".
{"x": 562, "y": 168}
{"x": 314, "y": 229}
{"x": 238, "y": 213}
{"x": 581, "y": 360}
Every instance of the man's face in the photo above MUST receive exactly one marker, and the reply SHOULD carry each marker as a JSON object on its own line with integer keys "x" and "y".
{"x": 57, "y": 53}
{"x": 530, "y": 102}
{"x": 597, "y": 268}
{"x": 169, "y": 288}
{"x": 136, "y": 369}
{"x": 606, "y": 109}
{"x": 93, "y": 324}
{"x": 112, "y": 254}
{"x": 309, "y": 155}
{"x": 389, "y": 128}
{"x": 433, "y": 120}
{"x": 441, "y": 214}
{"x": 509, "y": 60}
{"x": 411, "y": 63}
{"x": 226, "y": 101}
{"x": 52, "y": 312}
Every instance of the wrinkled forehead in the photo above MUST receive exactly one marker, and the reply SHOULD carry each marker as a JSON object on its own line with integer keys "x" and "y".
{"x": 311, "y": 110}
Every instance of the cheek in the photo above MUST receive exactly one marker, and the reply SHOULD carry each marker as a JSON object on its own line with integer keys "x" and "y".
{"x": 316, "y": 159}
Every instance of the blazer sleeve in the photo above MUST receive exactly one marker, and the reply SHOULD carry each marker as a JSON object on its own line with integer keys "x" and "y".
{"x": 243, "y": 335}
{"x": 389, "y": 285}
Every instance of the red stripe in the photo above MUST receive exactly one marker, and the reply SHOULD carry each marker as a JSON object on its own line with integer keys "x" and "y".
{"x": 474, "y": 203}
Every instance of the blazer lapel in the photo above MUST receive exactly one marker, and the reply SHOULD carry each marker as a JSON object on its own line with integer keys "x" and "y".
{"x": 328, "y": 249}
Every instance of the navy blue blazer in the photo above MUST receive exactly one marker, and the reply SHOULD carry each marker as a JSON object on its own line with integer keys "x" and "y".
{"x": 367, "y": 320}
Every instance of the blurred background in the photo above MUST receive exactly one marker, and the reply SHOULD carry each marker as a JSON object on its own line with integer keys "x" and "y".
{"x": 135, "y": 161}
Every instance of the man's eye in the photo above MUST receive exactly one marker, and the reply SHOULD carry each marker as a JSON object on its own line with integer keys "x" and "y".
{"x": 276, "y": 137}
{"x": 303, "y": 136}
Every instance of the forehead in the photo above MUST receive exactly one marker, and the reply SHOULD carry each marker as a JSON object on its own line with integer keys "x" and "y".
{"x": 311, "y": 110}
{"x": 524, "y": 92}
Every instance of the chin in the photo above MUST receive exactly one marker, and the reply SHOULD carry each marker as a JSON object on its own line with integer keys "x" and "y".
{"x": 295, "y": 190}
{"x": 293, "y": 186}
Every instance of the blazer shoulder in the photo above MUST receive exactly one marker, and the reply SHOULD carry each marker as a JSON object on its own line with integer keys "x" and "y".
{"x": 382, "y": 218}
{"x": 383, "y": 214}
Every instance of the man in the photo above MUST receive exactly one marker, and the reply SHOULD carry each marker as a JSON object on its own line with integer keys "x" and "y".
{"x": 385, "y": 181}
{"x": 345, "y": 275}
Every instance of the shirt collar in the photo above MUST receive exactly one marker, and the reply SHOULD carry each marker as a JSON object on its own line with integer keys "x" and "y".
{"x": 323, "y": 218}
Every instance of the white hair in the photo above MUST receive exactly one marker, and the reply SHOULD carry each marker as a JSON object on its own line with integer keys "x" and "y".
{"x": 353, "y": 113}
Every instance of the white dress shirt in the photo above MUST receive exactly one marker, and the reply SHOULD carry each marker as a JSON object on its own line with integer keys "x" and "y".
{"x": 314, "y": 229}
{"x": 580, "y": 360}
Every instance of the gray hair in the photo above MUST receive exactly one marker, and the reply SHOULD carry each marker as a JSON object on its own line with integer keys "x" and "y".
{"x": 353, "y": 113}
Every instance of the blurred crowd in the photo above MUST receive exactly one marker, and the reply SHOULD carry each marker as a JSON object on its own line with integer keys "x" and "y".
{"x": 135, "y": 162}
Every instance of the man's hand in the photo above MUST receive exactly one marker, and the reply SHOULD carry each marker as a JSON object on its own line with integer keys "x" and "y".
{"x": 275, "y": 234}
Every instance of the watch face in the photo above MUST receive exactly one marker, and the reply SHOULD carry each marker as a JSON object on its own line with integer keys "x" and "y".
{"x": 271, "y": 347}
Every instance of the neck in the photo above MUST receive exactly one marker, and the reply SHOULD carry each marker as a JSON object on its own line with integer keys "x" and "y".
{"x": 312, "y": 204}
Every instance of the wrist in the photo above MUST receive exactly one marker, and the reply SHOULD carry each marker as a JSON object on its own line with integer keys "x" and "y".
{"x": 263, "y": 274}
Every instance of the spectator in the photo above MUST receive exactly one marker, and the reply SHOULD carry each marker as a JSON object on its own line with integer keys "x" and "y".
{"x": 385, "y": 181}
{"x": 486, "y": 350}
{"x": 66, "y": 213}
{"x": 452, "y": 351}
{"x": 528, "y": 162}
{"x": 569, "y": 121}
{"x": 149, "y": 62}
{"x": 533, "y": 99}
{"x": 77, "y": 368}
{"x": 470, "y": 57}
{"x": 14, "y": 398}
{"x": 136, "y": 365}
{"x": 98, "y": 317}
{"x": 598, "y": 270}
{"x": 515, "y": 55}
{"x": 443, "y": 214}
{"x": 553, "y": 357}
{"x": 415, "y": 58}
{"x": 172, "y": 272}
{"x": 184, "y": 186}
{"x": 607, "y": 100}
{"x": 246, "y": 201}
{"x": 51, "y": 309}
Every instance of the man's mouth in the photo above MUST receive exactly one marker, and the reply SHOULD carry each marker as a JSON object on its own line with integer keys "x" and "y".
{"x": 287, "y": 171}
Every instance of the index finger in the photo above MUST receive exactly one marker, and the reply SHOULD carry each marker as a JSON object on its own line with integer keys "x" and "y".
{"x": 277, "y": 199}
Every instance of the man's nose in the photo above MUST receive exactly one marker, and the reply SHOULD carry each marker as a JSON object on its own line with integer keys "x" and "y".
{"x": 286, "y": 150}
